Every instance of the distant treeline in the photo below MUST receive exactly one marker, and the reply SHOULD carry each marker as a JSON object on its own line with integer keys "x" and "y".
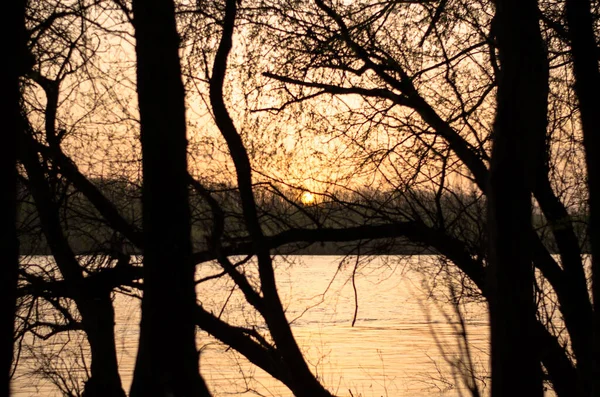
{"x": 462, "y": 213}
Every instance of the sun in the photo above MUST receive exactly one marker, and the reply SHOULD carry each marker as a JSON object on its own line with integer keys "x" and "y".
{"x": 307, "y": 198}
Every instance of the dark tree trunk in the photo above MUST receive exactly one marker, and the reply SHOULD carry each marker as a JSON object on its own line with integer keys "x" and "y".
{"x": 13, "y": 31}
{"x": 167, "y": 360}
{"x": 94, "y": 305}
{"x": 99, "y": 315}
{"x": 587, "y": 88}
{"x": 570, "y": 284}
{"x": 519, "y": 143}
{"x": 302, "y": 381}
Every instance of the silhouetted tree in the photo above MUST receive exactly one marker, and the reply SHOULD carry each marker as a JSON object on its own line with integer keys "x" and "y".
{"x": 269, "y": 304}
{"x": 421, "y": 76}
{"x": 584, "y": 48}
{"x": 167, "y": 360}
{"x": 93, "y": 302}
{"x": 42, "y": 157}
{"x": 424, "y": 95}
{"x": 519, "y": 142}
{"x": 13, "y": 27}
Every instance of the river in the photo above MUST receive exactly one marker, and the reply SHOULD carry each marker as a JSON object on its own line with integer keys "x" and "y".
{"x": 404, "y": 341}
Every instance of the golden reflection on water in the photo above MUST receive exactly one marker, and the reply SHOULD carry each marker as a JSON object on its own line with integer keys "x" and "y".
{"x": 390, "y": 351}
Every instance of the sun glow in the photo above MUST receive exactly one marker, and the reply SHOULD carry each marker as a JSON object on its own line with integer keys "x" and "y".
{"x": 307, "y": 198}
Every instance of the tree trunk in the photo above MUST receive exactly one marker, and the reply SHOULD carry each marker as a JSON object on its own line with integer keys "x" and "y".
{"x": 587, "y": 88}
{"x": 570, "y": 285}
{"x": 94, "y": 306}
{"x": 302, "y": 380}
{"x": 99, "y": 322}
{"x": 13, "y": 27}
{"x": 519, "y": 142}
{"x": 167, "y": 360}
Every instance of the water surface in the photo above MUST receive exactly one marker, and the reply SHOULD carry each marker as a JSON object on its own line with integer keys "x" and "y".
{"x": 404, "y": 341}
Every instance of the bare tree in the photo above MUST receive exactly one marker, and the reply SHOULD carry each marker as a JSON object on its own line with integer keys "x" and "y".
{"x": 584, "y": 48}
{"x": 61, "y": 53}
{"x": 519, "y": 144}
{"x": 167, "y": 361}
{"x": 368, "y": 54}
{"x": 407, "y": 90}
{"x": 13, "y": 26}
